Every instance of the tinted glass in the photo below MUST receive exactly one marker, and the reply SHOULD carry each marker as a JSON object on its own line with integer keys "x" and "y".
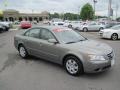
{"x": 92, "y": 24}
{"x": 33, "y": 33}
{"x": 46, "y": 34}
{"x": 117, "y": 27}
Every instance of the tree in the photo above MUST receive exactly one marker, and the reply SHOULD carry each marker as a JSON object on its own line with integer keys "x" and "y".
{"x": 55, "y": 15}
{"x": 66, "y": 16}
{"x": 87, "y": 12}
{"x": 1, "y": 18}
{"x": 71, "y": 16}
{"x": 1, "y": 15}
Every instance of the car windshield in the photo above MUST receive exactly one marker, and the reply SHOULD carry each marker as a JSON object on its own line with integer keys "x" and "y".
{"x": 69, "y": 36}
{"x": 117, "y": 27}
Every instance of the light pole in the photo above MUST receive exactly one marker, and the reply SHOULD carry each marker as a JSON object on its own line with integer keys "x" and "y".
{"x": 78, "y": 13}
{"x": 117, "y": 10}
{"x": 109, "y": 9}
{"x": 94, "y": 1}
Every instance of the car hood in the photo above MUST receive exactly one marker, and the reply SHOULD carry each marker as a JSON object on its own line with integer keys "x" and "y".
{"x": 91, "y": 47}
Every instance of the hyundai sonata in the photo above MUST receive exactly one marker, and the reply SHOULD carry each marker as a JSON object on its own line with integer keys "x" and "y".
{"x": 66, "y": 47}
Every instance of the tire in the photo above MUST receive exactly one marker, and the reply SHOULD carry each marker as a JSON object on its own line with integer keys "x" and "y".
{"x": 23, "y": 52}
{"x": 7, "y": 29}
{"x": 85, "y": 30}
{"x": 73, "y": 66}
{"x": 114, "y": 36}
{"x": 69, "y": 26}
{"x": 101, "y": 28}
{"x": 1, "y": 30}
{"x": 77, "y": 28}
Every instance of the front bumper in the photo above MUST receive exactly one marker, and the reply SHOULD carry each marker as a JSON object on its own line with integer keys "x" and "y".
{"x": 104, "y": 35}
{"x": 94, "y": 68}
{"x": 100, "y": 66}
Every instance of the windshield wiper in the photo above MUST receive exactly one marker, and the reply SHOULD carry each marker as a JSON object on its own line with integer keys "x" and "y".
{"x": 83, "y": 39}
{"x": 76, "y": 41}
{"x": 70, "y": 42}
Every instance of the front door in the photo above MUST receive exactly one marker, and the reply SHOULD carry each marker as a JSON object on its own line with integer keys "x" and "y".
{"x": 50, "y": 51}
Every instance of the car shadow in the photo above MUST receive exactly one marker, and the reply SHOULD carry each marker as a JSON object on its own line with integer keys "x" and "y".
{"x": 60, "y": 67}
{"x": 43, "y": 61}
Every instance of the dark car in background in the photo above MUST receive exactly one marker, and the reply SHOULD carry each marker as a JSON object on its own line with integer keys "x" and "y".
{"x": 2, "y": 28}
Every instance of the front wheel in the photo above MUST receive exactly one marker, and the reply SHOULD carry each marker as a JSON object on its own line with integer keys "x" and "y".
{"x": 85, "y": 29}
{"x": 101, "y": 28}
{"x": 114, "y": 36}
{"x": 22, "y": 51}
{"x": 73, "y": 66}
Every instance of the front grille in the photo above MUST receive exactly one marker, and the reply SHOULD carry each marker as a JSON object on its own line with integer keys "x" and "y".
{"x": 106, "y": 67}
{"x": 110, "y": 56}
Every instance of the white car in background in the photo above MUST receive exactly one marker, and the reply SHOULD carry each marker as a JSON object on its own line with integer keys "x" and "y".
{"x": 74, "y": 24}
{"x": 57, "y": 22}
{"x": 7, "y": 25}
{"x": 111, "y": 33}
{"x": 91, "y": 27}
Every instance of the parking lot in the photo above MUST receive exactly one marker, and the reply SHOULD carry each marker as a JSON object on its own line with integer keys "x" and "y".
{"x": 36, "y": 74}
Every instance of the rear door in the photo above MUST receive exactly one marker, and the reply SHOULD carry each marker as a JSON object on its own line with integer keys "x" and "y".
{"x": 93, "y": 26}
{"x": 32, "y": 41}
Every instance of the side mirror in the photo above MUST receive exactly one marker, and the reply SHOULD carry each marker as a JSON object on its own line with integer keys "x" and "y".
{"x": 52, "y": 41}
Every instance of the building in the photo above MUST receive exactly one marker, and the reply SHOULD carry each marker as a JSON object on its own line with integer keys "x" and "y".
{"x": 12, "y": 15}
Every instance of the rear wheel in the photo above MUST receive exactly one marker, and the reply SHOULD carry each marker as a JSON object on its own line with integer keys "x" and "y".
{"x": 73, "y": 66}
{"x": 85, "y": 29}
{"x": 23, "y": 52}
{"x": 1, "y": 30}
{"x": 114, "y": 36}
{"x": 70, "y": 26}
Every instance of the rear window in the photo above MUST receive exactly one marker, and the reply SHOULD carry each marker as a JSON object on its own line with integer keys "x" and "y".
{"x": 60, "y": 29}
{"x": 25, "y": 22}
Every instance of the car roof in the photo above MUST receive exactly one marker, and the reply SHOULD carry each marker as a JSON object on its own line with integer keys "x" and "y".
{"x": 51, "y": 28}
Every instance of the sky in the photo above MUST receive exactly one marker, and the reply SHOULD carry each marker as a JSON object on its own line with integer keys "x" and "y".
{"x": 60, "y": 6}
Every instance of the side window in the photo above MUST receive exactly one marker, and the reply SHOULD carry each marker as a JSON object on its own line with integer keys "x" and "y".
{"x": 46, "y": 34}
{"x": 33, "y": 33}
{"x": 27, "y": 33}
{"x": 93, "y": 24}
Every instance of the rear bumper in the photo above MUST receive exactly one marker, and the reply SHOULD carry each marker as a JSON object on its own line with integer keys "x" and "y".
{"x": 25, "y": 26}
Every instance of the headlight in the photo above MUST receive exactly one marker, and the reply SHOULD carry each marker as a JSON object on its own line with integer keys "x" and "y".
{"x": 96, "y": 57}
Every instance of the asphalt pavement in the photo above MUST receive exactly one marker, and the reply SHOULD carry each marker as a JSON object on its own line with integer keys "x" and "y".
{"x": 36, "y": 74}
